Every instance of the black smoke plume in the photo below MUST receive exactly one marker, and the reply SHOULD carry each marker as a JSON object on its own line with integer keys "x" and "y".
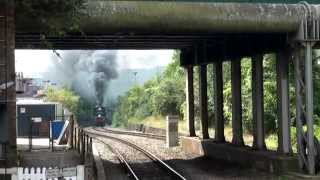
{"x": 87, "y": 72}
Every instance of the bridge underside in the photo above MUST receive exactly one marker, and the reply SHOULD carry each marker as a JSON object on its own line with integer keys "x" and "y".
{"x": 201, "y": 50}
{"x": 220, "y": 46}
{"x": 205, "y": 33}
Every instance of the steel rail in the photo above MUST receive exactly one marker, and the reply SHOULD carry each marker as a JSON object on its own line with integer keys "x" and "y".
{"x": 148, "y": 135}
{"x": 120, "y": 158}
{"x": 162, "y": 164}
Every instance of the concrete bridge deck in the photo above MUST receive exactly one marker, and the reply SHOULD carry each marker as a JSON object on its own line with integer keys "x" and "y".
{"x": 206, "y": 33}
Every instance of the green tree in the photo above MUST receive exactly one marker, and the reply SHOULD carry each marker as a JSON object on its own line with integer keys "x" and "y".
{"x": 165, "y": 94}
{"x": 162, "y": 95}
{"x": 65, "y": 96}
{"x": 79, "y": 106}
{"x": 270, "y": 93}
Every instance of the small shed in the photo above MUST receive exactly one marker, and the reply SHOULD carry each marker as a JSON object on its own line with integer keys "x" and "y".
{"x": 34, "y": 117}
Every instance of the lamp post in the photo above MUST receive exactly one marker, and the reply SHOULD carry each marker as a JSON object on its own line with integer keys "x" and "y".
{"x": 135, "y": 77}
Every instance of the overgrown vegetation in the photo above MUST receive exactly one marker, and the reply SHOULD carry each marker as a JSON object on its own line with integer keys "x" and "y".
{"x": 49, "y": 12}
{"x": 81, "y": 108}
{"x": 165, "y": 94}
{"x": 57, "y": 17}
{"x": 162, "y": 95}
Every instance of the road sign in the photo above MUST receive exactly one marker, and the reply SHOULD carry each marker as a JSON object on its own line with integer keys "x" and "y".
{"x": 62, "y": 172}
{"x": 37, "y": 119}
{"x": 22, "y": 110}
{"x": 53, "y": 173}
{"x": 69, "y": 172}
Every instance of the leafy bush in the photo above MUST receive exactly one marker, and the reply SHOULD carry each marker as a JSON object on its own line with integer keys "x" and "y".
{"x": 81, "y": 108}
{"x": 65, "y": 96}
{"x": 165, "y": 95}
{"x": 162, "y": 95}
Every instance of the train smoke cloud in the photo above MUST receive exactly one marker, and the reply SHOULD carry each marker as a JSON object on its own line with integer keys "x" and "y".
{"x": 87, "y": 72}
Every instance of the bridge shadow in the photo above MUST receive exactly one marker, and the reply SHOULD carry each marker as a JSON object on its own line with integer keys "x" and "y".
{"x": 198, "y": 168}
{"x": 203, "y": 167}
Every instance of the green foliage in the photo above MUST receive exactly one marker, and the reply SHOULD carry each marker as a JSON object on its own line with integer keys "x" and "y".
{"x": 246, "y": 92}
{"x": 165, "y": 95}
{"x": 49, "y": 13}
{"x": 85, "y": 112}
{"x": 134, "y": 104}
{"x": 227, "y": 105}
{"x": 162, "y": 95}
{"x": 81, "y": 108}
{"x": 316, "y": 81}
{"x": 167, "y": 98}
{"x": 64, "y": 96}
{"x": 270, "y": 93}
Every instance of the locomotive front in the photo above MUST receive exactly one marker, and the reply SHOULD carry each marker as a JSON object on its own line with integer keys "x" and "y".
{"x": 100, "y": 116}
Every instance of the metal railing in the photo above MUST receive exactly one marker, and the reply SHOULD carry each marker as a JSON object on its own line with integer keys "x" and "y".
{"x": 80, "y": 141}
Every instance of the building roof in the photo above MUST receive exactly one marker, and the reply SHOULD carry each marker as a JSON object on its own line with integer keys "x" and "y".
{"x": 33, "y": 101}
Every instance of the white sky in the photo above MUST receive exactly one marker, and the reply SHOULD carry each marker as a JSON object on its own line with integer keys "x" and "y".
{"x": 34, "y": 62}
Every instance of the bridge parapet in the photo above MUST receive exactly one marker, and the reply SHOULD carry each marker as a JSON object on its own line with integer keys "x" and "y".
{"x": 169, "y": 17}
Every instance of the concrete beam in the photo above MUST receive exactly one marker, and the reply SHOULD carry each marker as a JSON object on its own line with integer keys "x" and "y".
{"x": 237, "y": 131}
{"x": 309, "y": 108}
{"x": 190, "y": 99}
{"x": 299, "y": 93}
{"x": 175, "y": 17}
{"x": 282, "y": 68}
{"x": 257, "y": 103}
{"x": 203, "y": 100}
{"x": 218, "y": 103}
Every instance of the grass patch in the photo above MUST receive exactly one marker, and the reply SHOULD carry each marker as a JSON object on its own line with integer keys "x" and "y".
{"x": 155, "y": 121}
{"x": 152, "y": 121}
{"x": 271, "y": 139}
{"x": 272, "y": 142}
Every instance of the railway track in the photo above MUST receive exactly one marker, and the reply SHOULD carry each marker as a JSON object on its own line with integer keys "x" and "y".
{"x": 135, "y": 170}
{"x": 121, "y": 159}
{"x": 140, "y": 134}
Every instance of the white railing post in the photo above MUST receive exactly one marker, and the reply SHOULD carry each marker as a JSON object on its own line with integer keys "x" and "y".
{"x": 80, "y": 172}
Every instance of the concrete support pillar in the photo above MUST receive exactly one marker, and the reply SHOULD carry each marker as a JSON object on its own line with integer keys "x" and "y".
{"x": 237, "y": 132}
{"x": 218, "y": 103}
{"x": 299, "y": 107}
{"x": 282, "y": 66}
{"x": 309, "y": 107}
{"x": 172, "y": 136}
{"x": 203, "y": 100}
{"x": 190, "y": 99}
{"x": 11, "y": 75}
{"x": 257, "y": 103}
{"x": 7, "y": 79}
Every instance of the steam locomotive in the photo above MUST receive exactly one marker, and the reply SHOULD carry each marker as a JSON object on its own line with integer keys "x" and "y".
{"x": 100, "y": 115}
